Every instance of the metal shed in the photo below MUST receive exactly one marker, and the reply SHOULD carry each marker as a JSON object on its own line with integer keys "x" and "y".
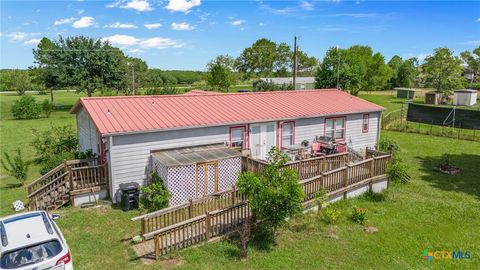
{"x": 465, "y": 97}
{"x": 195, "y": 172}
{"x": 408, "y": 93}
{"x": 432, "y": 97}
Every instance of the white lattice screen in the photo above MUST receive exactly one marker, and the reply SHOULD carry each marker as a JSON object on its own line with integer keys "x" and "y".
{"x": 180, "y": 180}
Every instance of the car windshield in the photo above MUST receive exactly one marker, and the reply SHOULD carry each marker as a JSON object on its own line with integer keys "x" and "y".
{"x": 30, "y": 255}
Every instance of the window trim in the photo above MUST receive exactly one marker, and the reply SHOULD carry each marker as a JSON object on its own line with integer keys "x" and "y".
{"x": 244, "y": 127}
{"x": 367, "y": 115}
{"x": 334, "y": 118}
{"x": 281, "y": 132}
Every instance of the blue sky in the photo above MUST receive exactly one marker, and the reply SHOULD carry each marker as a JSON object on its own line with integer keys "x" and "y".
{"x": 186, "y": 34}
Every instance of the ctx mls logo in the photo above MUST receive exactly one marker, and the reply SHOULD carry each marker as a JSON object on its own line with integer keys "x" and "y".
{"x": 445, "y": 255}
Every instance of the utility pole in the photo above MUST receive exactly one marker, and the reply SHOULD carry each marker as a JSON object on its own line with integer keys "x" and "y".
{"x": 133, "y": 77}
{"x": 295, "y": 63}
{"x": 338, "y": 67}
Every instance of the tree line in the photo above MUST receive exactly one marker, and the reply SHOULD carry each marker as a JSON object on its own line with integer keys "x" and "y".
{"x": 90, "y": 65}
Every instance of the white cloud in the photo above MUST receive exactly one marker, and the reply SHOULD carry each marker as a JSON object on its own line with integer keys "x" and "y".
{"x": 237, "y": 22}
{"x": 121, "y": 40}
{"x": 84, "y": 22}
{"x": 472, "y": 42}
{"x": 17, "y": 36}
{"x": 136, "y": 44}
{"x": 138, "y": 5}
{"x": 261, "y": 24}
{"x": 354, "y": 15}
{"x": 152, "y": 25}
{"x": 183, "y": 26}
{"x": 478, "y": 20}
{"x": 306, "y": 5}
{"x": 182, "y": 5}
{"x": 64, "y": 21}
{"x": 161, "y": 43}
{"x": 120, "y": 25}
{"x": 33, "y": 41}
{"x": 80, "y": 11}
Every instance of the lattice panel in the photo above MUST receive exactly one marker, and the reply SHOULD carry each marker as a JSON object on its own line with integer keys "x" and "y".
{"x": 181, "y": 183}
{"x": 228, "y": 172}
{"x": 161, "y": 170}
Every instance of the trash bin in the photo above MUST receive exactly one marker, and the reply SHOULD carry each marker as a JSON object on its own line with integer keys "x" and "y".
{"x": 130, "y": 196}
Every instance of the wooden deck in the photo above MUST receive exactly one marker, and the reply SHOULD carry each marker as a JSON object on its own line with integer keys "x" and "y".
{"x": 204, "y": 227}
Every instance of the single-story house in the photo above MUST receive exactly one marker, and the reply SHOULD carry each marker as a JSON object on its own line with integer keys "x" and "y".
{"x": 128, "y": 132}
{"x": 301, "y": 83}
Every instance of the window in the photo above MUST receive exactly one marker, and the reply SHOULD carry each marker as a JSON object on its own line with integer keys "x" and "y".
{"x": 30, "y": 255}
{"x": 365, "y": 123}
{"x": 335, "y": 127}
{"x": 237, "y": 137}
{"x": 287, "y": 134}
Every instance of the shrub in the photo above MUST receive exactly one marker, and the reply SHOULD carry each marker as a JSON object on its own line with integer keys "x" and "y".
{"x": 47, "y": 108}
{"x": 321, "y": 198}
{"x": 359, "y": 215}
{"x": 331, "y": 215}
{"x": 53, "y": 145}
{"x": 275, "y": 194}
{"x": 26, "y": 108}
{"x": 388, "y": 145}
{"x": 397, "y": 171}
{"x": 86, "y": 155}
{"x": 54, "y": 161}
{"x": 156, "y": 195}
{"x": 16, "y": 167}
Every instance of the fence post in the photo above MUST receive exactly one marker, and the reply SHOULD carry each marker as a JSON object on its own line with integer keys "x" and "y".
{"x": 234, "y": 194}
{"x": 208, "y": 227}
{"x": 345, "y": 181}
{"x": 143, "y": 226}
{"x": 155, "y": 243}
{"x": 190, "y": 208}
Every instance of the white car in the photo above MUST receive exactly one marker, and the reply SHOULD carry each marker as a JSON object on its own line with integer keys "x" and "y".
{"x": 33, "y": 241}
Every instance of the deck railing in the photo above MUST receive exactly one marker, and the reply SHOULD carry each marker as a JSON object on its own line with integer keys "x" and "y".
{"x": 183, "y": 232}
{"x": 52, "y": 190}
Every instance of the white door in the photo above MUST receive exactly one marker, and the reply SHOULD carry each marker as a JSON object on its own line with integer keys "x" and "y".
{"x": 262, "y": 139}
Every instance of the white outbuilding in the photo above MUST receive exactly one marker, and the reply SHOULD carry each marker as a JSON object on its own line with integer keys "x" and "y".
{"x": 465, "y": 97}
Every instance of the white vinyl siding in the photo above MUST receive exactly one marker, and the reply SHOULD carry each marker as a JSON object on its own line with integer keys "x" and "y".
{"x": 86, "y": 133}
{"x": 129, "y": 155}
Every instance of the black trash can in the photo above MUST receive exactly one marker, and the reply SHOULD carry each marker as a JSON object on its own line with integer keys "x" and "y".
{"x": 130, "y": 196}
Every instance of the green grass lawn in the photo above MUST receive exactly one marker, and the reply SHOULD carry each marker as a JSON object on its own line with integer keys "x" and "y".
{"x": 434, "y": 212}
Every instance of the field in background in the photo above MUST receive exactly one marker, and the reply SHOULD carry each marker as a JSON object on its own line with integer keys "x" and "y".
{"x": 434, "y": 211}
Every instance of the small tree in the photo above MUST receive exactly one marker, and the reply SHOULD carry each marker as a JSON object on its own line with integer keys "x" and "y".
{"x": 26, "y": 108}
{"x": 219, "y": 77}
{"x": 53, "y": 145}
{"x": 16, "y": 167}
{"x": 156, "y": 195}
{"x": 443, "y": 71}
{"x": 47, "y": 108}
{"x": 273, "y": 196}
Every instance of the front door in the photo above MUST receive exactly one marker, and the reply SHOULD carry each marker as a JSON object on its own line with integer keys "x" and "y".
{"x": 262, "y": 139}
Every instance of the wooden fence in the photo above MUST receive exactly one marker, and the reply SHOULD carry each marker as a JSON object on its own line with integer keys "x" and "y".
{"x": 53, "y": 189}
{"x": 199, "y": 229}
{"x": 305, "y": 168}
{"x": 208, "y": 224}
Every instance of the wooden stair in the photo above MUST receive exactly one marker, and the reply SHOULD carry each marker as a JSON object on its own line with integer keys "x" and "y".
{"x": 57, "y": 187}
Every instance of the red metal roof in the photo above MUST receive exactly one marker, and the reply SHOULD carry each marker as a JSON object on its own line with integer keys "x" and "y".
{"x": 125, "y": 114}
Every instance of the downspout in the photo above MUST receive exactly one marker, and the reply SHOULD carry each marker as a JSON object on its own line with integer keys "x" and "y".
{"x": 109, "y": 162}
{"x": 379, "y": 126}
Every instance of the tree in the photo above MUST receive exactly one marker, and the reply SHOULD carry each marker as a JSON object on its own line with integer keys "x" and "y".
{"x": 219, "y": 77}
{"x": 305, "y": 63}
{"x": 274, "y": 195}
{"x": 395, "y": 63}
{"x": 357, "y": 67}
{"x": 407, "y": 73}
{"x": 26, "y": 108}
{"x": 471, "y": 62}
{"x": 85, "y": 63}
{"x": 46, "y": 57}
{"x": 442, "y": 71}
{"x": 259, "y": 58}
{"x": 138, "y": 69}
{"x": 17, "y": 168}
{"x": 16, "y": 80}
